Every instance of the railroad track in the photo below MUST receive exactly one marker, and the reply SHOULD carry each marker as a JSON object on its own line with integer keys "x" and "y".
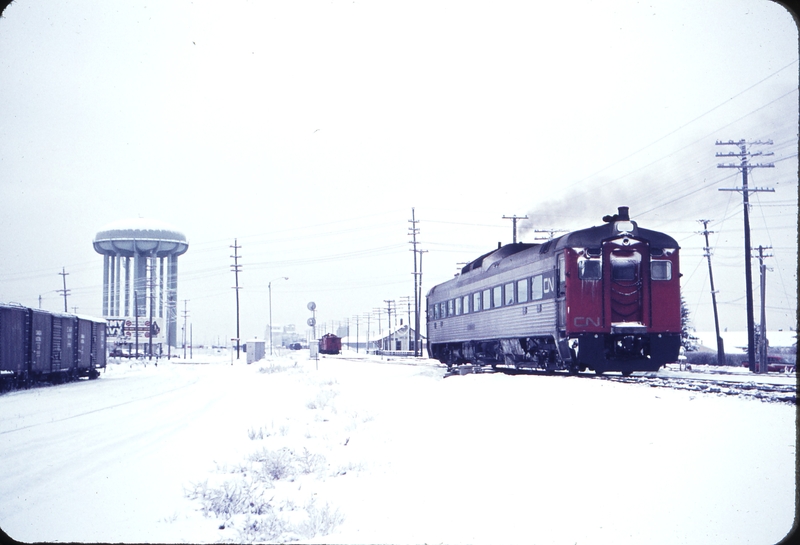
{"x": 714, "y": 385}
{"x": 776, "y": 393}
{"x": 704, "y": 383}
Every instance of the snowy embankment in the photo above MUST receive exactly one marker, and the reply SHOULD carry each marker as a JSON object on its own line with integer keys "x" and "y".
{"x": 364, "y": 450}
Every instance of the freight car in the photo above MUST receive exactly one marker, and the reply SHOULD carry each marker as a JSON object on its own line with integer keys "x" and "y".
{"x": 330, "y": 344}
{"x": 606, "y": 298}
{"x": 37, "y": 345}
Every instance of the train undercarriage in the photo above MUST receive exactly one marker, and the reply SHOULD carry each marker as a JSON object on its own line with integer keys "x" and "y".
{"x": 624, "y": 353}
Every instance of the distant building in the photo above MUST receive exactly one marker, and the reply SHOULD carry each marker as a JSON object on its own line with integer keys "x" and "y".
{"x": 401, "y": 340}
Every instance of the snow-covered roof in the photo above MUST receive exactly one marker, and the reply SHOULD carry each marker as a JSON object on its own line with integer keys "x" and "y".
{"x": 140, "y": 228}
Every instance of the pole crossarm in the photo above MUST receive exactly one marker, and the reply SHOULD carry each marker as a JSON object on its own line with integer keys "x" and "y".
{"x": 514, "y": 223}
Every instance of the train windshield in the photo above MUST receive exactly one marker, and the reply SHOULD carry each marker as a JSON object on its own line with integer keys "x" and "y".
{"x": 624, "y": 270}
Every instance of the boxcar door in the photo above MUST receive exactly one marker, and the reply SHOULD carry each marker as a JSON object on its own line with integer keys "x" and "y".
{"x": 84, "y": 345}
{"x": 41, "y": 342}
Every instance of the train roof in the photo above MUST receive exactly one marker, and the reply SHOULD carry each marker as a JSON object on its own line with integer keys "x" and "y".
{"x": 591, "y": 237}
{"x": 594, "y": 236}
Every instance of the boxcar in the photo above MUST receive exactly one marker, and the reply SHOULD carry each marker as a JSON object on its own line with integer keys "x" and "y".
{"x": 37, "y": 345}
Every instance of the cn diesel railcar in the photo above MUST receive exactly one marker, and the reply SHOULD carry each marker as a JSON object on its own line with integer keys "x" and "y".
{"x": 606, "y": 298}
{"x": 36, "y": 345}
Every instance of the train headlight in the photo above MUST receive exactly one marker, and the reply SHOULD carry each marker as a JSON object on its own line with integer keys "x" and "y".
{"x": 624, "y": 227}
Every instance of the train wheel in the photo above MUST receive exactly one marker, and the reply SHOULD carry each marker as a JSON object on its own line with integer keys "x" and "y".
{"x": 573, "y": 370}
{"x": 598, "y": 372}
{"x": 626, "y": 373}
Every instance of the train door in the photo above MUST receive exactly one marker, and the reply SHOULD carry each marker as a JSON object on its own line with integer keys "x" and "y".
{"x": 41, "y": 342}
{"x": 561, "y": 300}
{"x": 58, "y": 343}
{"x": 626, "y": 265}
{"x": 83, "y": 344}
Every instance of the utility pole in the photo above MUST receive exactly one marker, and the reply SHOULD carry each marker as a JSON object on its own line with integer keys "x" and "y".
{"x": 367, "y": 316}
{"x": 65, "y": 291}
{"x": 389, "y": 320}
{"x": 413, "y": 232}
{"x": 378, "y": 312}
{"x": 763, "y": 342}
{"x": 514, "y": 222}
{"x": 551, "y": 233}
{"x": 236, "y": 268}
{"x": 744, "y": 166}
{"x": 356, "y": 319}
{"x": 185, "y": 316}
{"x": 407, "y": 300}
{"x": 720, "y": 345}
{"x": 419, "y": 289}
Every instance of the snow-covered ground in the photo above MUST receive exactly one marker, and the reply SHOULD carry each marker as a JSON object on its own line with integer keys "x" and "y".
{"x": 352, "y": 449}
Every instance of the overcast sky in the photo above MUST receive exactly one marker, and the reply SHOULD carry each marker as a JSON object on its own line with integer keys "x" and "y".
{"x": 309, "y": 130}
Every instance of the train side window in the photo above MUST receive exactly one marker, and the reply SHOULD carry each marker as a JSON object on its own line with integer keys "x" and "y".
{"x": 536, "y": 287}
{"x": 436, "y": 311}
{"x": 590, "y": 269}
{"x": 661, "y": 270}
{"x": 497, "y": 296}
{"x": 522, "y": 290}
{"x": 487, "y": 299}
{"x": 458, "y": 306}
{"x": 476, "y": 301}
{"x": 509, "y": 292}
{"x": 466, "y": 304}
{"x": 451, "y": 311}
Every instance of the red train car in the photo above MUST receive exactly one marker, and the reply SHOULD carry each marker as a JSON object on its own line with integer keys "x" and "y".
{"x": 330, "y": 344}
{"x": 606, "y": 298}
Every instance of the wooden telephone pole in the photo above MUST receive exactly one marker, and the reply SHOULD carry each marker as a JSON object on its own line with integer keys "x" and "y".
{"x": 236, "y": 268}
{"x": 745, "y": 166}
{"x": 65, "y": 291}
{"x": 720, "y": 345}
{"x": 514, "y": 223}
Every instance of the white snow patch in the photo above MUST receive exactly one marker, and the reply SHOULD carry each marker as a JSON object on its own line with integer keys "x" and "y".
{"x": 386, "y": 450}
